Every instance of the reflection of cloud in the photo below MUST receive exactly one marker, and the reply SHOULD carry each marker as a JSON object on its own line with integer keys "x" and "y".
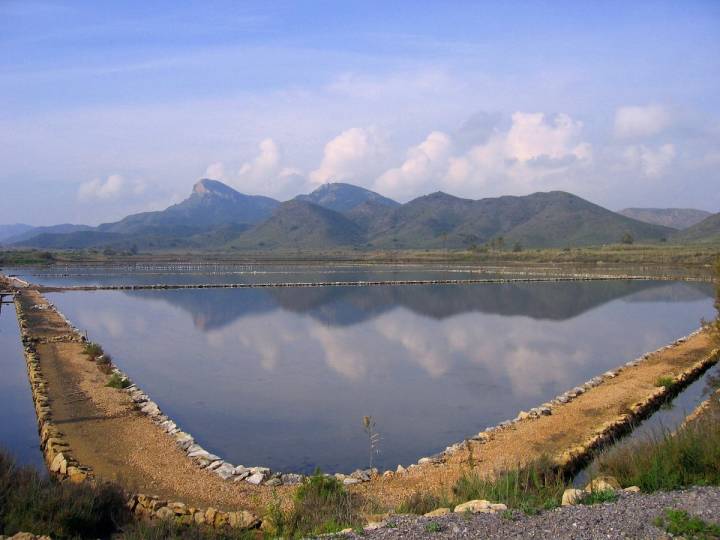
{"x": 98, "y": 321}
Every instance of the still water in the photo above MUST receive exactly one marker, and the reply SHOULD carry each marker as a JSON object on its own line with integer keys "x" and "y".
{"x": 18, "y": 428}
{"x": 283, "y": 377}
{"x": 193, "y": 274}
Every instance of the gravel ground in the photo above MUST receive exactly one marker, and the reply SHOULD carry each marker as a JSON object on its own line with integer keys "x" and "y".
{"x": 630, "y": 517}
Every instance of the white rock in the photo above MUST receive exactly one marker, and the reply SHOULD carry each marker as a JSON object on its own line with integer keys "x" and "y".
{"x": 256, "y": 479}
{"x": 225, "y": 471}
{"x": 476, "y": 506}
{"x": 572, "y": 496}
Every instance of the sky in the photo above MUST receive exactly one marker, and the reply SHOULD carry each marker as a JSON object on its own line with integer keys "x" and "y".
{"x": 111, "y": 108}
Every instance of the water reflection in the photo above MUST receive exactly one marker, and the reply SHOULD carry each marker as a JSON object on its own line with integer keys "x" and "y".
{"x": 283, "y": 377}
{"x": 340, "y": 306}
{"x": 18, "y": 430}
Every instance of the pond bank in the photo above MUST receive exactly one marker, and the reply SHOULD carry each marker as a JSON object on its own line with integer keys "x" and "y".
{"x": 108, "y": 434}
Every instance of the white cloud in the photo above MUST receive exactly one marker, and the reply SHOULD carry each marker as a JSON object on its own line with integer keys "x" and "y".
{"x": 115, "y": 186}
{"x": 349, "y": 156}
{"x": 651, "y": 162}
{"x": 264, "y": 174}
{"x": 517, "y": 159}
{"x": 423, "y": 164}
{"x": 637, "y": 121}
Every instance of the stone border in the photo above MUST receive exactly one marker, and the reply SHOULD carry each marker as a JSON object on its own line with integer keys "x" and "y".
{"x": 64, "y": 466}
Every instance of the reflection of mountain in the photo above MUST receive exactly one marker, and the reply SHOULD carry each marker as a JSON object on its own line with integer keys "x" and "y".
{"x": 673, "y": 292}
{"x": 342, "y": 306}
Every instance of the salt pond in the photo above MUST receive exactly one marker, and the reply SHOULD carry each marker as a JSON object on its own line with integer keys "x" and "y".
{"x": 283, "y": 377}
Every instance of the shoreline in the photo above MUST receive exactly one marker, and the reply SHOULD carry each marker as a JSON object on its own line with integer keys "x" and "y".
{"x": 58, "y": 359}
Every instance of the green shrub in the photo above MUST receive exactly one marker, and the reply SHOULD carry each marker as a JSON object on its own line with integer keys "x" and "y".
{"x": 599, "y": 496}
{"x": 433, "y": 527}
{"x": 680, "y": 523}
{"x": 39, "y": 504}
{"x": 104, "y": 363}
{"x": 321, "y": 505}
{"x": 93, "y": 350}
{"x": 665, "y": 462}
{"x": 531, "y": 488}
{"x": 665, "y": 382}
{"x": 118, "y": 381}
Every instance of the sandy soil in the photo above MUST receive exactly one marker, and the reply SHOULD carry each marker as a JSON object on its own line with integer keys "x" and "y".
{"x": 108, "y": 434}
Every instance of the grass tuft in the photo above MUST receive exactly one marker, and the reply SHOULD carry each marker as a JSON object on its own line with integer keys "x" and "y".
{"x": 690, "y": 457}
{"x": 33, "y": 503}
{"x": 93, "y": 350}
{"x": 433, "y": 527}
{"x": 321, "y": 505}
{"x": 118, "y": 381}
{"x": 680, "y": 523}
{"x": 419, "y": 504}
{"x": 531, "y": 488}
{"x": 599, "y": 497}
{"x": 665, "y": 382}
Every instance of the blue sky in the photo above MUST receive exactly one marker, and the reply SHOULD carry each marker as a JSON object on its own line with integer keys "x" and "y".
{"x": 116, "y": 107}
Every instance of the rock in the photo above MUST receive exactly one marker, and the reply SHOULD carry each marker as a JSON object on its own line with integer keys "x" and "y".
{"x": 256, "y": 479}
{"x": 388, "y": 474}
{"x": 215, "y": 464}
{"x": 346, "y": 531}
{"x": 164, "y": 513}
{"x": 522, "y": 416}
{"x": 199, "y": 517}
{"x": 373, "y": 525}
{"x": 424, "y": 461}
{"x": 241, "y": 476}
{"x": 400, "y": 470}
{"x": 274, "y": 482}
{"x": 225, "y": 471}
{"x": 498, "y": 507}
{"x": 150, "y": 408}
{"x": 363, "y": 476}
{"x": 178, "y": 508}
{"x": 572, "y": 496}
{"x": 221, "y": 519}
{"x": 603, "y": 483}
{"x": 475, "y": 507}
{"x": 632, "y": 489}
{"x": 210, "y": 514}
{"x": 59, "y": 464}
{"x": 350, "y": 481}
{"x": 438, "y": 512}
{"x": 292, "y": 478}
{"x": 243, "y": 520}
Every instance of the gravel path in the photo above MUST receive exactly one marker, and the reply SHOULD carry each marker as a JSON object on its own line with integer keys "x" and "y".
{"x": 630, "y": 517}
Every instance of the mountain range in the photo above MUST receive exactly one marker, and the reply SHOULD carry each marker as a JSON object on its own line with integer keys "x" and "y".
{"x": 340, "y": 215}
{"x": 676, "y": 218}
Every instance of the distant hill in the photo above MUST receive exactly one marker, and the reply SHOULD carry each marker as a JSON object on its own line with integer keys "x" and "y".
{"x": 676, "y": 218}
{"x": 210, "y": 204}
{"x": 33, "y": 232}
{"x": 553, "y": 219}
{"x": 708, "y": 230}
{"x": 342, "y": 197}
{"x": 216, "y": 216}
{"x": 300, "y": 224}
{"x": 211, "y": 216}
{"x": 10, "y": 230}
